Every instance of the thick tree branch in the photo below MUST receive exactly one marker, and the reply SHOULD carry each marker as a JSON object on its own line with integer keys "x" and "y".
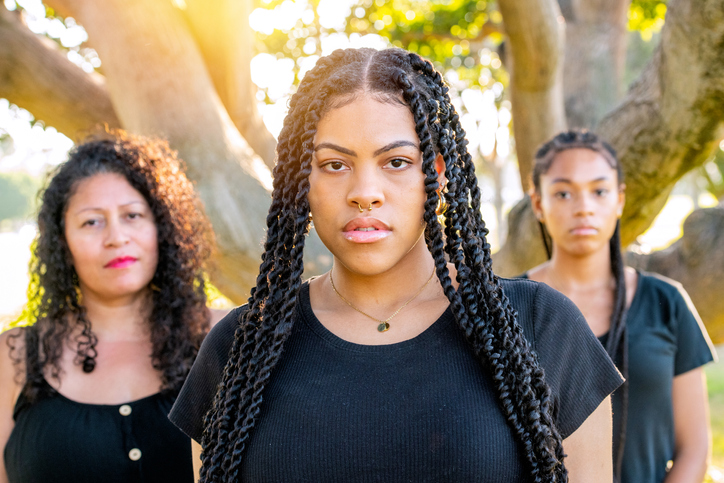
{"x": 667, "y": 124}
{"x": 697, "y": 261}
{"x": 222, "y": 31}
{"x": 671, "y": 119}
{"x": 536, "y": 33}
{"x": 159, "y": 86}
{"x": 35, "y": 75}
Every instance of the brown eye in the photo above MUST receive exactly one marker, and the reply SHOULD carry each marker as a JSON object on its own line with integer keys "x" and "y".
{"x": 398, "y": 163}
{"x": 333, "y": 166}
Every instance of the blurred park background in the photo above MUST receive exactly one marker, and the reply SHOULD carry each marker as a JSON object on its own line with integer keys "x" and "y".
{"x": 215, "y": 77}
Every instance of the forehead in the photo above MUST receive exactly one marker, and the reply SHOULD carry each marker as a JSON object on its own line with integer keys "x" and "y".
{"x": 579, "y": 165}
{"x": 366, "y": 121}
{"x": 103, "y": 190}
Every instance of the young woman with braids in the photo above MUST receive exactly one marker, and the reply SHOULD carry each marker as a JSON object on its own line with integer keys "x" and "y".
{"x": 646, "y": 323}
{"x": 410, "y": 360}
{"x": 119, "y": 311}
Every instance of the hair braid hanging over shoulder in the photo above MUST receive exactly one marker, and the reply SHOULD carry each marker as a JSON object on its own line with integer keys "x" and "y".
{"x": 492, "y": 329}
{"x": 479, "y": 305}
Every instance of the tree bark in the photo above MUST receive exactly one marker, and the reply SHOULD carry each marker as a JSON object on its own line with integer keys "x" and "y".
{"x": 668, "y": 124}
{"x": 596, "y": 38}
{"x": 671, "y": 119}
{"x": 159, "y": 86}
{"x": 36, "y": 76}
{"x": 228, "y": 64}
{"x": 536, "y": 35}
{"x": 696, "y": 260}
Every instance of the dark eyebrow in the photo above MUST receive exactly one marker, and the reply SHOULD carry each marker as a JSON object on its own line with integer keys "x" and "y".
{"x": 396, "y": 144}
{"x": 335, "y": 147}
{"x": 93, "y": 208}
{"x": 565, "y": 180}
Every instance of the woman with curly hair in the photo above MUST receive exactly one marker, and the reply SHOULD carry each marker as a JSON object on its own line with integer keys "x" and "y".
{"x": 118, "y": 312}
{"x": 410, "y": 360}
{"x": 646, "y": 322}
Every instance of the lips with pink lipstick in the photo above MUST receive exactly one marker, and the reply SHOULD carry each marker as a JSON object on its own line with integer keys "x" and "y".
{"x": 366, "y": 230}
{"x": 121, "y": 262}
{"x": 584, "y": 230}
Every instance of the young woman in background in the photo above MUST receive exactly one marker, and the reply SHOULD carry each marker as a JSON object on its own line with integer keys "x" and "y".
{"x": 410, "y": 360}
{"x": 118, "y": 312}
{"x": 646, "y": 322}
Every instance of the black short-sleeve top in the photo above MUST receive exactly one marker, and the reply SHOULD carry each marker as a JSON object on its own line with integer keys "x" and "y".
{"x": 59, "y": 440}
{"x": 419, "y": 410}
{"x": 666, "y": 339}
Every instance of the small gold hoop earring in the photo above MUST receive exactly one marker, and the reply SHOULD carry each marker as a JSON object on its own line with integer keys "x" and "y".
{"x": 441, "y": 208}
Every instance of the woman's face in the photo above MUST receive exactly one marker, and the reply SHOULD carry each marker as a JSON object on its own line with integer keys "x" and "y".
{"x": 367, "y": 155}
{"x": 112, "y": 237}
{"x": 579, "y": 201}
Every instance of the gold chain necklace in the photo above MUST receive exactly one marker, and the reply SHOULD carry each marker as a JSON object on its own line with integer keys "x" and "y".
{"x": 384, "y": 325}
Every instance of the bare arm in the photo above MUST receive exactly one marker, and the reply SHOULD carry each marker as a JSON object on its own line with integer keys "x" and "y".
{"x": 691, "y": 428}
{"x": 589, "y": 457}
{"x": 7, "y": 396}
{"x": 196, "y": 456}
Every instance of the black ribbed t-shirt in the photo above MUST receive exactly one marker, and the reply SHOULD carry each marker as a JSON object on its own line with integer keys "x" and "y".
{"x": 419, "y": 410}
{"x": 666, "y": 338}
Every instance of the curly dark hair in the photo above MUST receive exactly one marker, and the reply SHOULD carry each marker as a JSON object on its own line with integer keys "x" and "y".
{"x": 480, "y": 307}
{"x": 179, "y": 318}
{"x": 617, "y": 340}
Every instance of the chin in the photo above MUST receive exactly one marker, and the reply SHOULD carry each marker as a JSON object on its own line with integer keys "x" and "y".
{"x": 367, "y": 265}
{"x": 584, "y": 249}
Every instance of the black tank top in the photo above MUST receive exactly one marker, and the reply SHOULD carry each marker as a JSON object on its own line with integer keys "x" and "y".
{"x": 59, "y": 440}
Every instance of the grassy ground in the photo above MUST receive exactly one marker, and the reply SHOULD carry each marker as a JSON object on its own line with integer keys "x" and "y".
{"x": 715, "y": 382}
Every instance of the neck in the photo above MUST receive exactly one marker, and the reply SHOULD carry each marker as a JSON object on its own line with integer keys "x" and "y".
{"x": 592, "y": 270}
{"x": 119, "y": 318}
{"x": 386, "y": 290}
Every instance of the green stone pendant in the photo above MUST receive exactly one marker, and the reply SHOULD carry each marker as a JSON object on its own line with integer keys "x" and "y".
{"x": 383, "y": 327}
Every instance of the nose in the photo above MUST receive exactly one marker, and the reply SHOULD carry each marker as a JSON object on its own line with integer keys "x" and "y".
{"x": 584, "y": 205}
{"x": 116, "y": 235}
{"x": 366, "y": 190}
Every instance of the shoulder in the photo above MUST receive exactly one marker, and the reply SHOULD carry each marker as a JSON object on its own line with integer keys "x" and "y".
{"x": 216, "y": 315}
{"x": 536, "y": 301}
{"x": 221, "y": 336}
{"x": 577, "y": 368}
{"x": 12, "y": 347}
{"x": 12, "y": 358}
{"x": 660, "y": 284}
{"x": 664, "y": 295}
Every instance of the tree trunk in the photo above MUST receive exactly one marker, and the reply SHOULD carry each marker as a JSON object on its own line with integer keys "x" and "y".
{"x": 697, "y": 261}
{"x": 228, "y": 64}
{"x": 596, "y": 38}
{"x": 38, "y": 77}
{"x": 668, "y": 124}
{"x": 536, "y": 35}
{"x": 671, "y": 119}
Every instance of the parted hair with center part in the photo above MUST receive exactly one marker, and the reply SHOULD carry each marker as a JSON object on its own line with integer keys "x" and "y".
{"x": 480, "y": 307}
